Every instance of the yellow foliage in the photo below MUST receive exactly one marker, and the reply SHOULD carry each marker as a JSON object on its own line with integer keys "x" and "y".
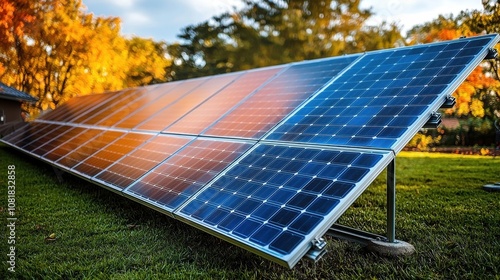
{"x": 421, "y": 141}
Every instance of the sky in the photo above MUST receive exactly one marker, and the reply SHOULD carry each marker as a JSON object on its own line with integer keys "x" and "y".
{"x": 163, "y": 20}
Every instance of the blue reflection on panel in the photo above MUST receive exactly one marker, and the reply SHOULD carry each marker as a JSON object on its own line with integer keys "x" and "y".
{"x": 276, "y": 195}
{"x": 378, "y": 98}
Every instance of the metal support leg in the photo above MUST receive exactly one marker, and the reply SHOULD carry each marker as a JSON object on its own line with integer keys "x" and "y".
{"x": 387, "y": 246}
{"x": 391, "y": 201}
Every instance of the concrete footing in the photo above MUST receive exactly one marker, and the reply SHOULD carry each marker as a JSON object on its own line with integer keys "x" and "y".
{"x": 492, "y": 187}
{"x": 391, "y": 249}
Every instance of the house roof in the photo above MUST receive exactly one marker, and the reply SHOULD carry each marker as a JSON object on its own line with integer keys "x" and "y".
{"x": 11, "y": 93}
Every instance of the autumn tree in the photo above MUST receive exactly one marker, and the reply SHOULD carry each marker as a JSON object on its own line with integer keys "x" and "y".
{"x": 54, "y": 51}
{"x": 270, "y": 32}
{"x": 488, "y": 21}
{"x": 147, "y": 62}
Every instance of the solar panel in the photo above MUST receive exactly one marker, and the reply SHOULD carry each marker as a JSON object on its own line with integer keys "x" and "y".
{"x": 267, "y": 159}
{"x": 276, "y": 196}
{"x": 170, "y": 93}
{"x": 207, "y": 113}
{"x": 170, "y": 114}
{"x": 137, "y": 163}
{"x": 180, "y": 176}
{"x": 111, "y": 153}
{"x": 266, "y": 107}
{"x": 385, "y": 96}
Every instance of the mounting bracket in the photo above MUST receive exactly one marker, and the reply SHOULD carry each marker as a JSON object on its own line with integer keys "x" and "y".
{"x": 383, "y": 245}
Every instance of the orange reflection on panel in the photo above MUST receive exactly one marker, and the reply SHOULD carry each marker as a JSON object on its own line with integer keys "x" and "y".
{"x": 172, "y": 113}
{"x": 263, "y": 110}
{"x": 176, "y": 179}
{"x": 87, "y": 149}
{"x": 131, "y": 167}
{"x": 28, "y": 133}
{"x": 100, "y": 103}
{"x": 169, "y": 92}
{"x": 73, "y": 108}
{"x": 202, "y": 117}
{"x": 69, "y": 133}
{"x": 104, "y": 111}
{"x": 124, "y": 107}
{"x": 72, "y": 144}
{"x": 111, "y": 153}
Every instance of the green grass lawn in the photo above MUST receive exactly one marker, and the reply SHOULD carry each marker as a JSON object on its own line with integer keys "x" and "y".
{"x": 441, "y": 210}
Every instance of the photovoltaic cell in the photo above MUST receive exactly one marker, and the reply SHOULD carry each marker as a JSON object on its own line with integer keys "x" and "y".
{"x": 173, "y": 181}
{"x": 379, "y": 98}
{"x": 265, "y": 108}
{"x": 275, "y": 196}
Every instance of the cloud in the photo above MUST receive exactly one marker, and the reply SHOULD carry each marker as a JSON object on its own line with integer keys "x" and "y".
{"x": 413, "y": 12}
{"x": 137, "y": 18}
{"x": 125, "y": 4}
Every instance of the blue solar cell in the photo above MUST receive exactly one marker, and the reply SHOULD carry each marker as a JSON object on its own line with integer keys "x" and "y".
{"x": 284, "y": 217}
{"x": 203, "y": 211}
{"x": 248, "y": 206}
{"x": 216, "y": 217}
{"x": 247, "y": 228}
{"x": 281, "y": 196}
{"x": 231, "y": 221}
{"x": 302, "y": 200}
{"x": 286, "y": 242}
{"x": 322, "y": 206}
{"x": 265, "y": 211}
{"x": 265, "y": 234}
{"x": 339, "y": 189}
{"x": 305, "y": 223}
{"x": 264, "y": 192}
{"x": 367, "y": 160}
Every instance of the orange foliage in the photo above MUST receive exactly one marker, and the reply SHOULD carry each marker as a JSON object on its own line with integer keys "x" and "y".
{"x": 14, "y": 15}
{"x": 468, "y": 94}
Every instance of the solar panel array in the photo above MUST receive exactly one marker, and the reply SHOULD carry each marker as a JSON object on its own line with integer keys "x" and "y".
{"x": 267, "y": 159}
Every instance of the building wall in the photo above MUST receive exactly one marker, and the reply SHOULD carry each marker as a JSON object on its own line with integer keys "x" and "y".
{"x": 11, "y": 110}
